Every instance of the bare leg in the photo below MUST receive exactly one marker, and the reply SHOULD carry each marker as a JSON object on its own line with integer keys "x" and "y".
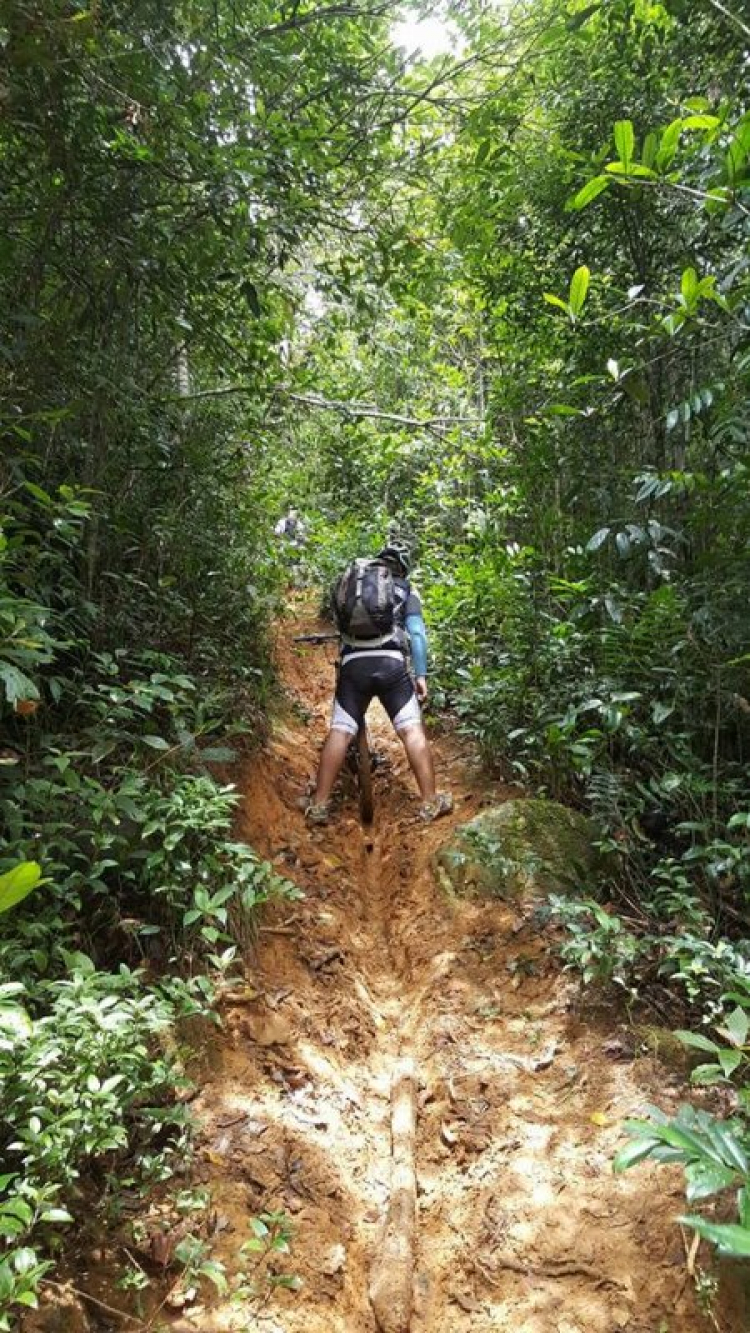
{"x": 418, "y": 752}
{"x": 331, "y": 763}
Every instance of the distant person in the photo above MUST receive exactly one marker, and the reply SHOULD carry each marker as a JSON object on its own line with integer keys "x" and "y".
{"x": 292, "y": 528}
{"x": 379, "y": 616}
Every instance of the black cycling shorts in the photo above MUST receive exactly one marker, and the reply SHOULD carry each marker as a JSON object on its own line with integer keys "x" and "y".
{"x": 374, "y": 674}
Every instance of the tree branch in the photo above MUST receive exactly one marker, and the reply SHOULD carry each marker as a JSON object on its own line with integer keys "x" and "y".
{"x": 729, "y": 15}
{"x": 351, "y": 408}
{"x": 321, "y": 15}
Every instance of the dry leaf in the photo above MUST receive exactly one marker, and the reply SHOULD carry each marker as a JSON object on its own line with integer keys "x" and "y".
{"x": 25, "y": 707}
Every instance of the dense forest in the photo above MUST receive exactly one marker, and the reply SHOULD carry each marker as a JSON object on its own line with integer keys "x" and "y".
{"x": 496, "y": 301}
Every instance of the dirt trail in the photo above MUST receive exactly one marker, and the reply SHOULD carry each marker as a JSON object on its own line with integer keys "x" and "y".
{"x": 380, "y": 1001}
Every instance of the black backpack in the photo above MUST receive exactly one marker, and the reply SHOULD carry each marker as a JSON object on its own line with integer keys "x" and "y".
{"x": 364, "y": 600}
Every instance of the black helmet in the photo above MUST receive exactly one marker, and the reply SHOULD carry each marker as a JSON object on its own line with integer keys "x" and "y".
{"x": 398, "y": 553}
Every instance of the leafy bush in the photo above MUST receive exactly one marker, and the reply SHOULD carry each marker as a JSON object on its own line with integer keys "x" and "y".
{"x": 99, "y": 786}
{"x": 155, "y": 852}
{"x": 84, "y": 1087}
{"x": 598, "y": 944}
{"x": 716, "y": 1156}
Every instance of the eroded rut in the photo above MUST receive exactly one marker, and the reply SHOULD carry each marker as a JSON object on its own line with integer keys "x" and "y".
{"x": 416, "y": 1085}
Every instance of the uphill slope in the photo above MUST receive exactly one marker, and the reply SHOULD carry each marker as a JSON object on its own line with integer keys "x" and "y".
{"x": 414, "y": 1084}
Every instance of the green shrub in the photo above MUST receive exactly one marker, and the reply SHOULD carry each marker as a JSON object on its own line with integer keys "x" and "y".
{"x": 86, "y": 1087}
{"x": 716, "y": 1156}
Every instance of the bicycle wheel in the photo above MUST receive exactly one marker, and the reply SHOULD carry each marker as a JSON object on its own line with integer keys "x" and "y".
{"x": 364, "y": 777}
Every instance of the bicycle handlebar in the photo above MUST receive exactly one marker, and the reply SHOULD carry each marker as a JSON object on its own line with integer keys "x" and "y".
{"x": 316, "y": 638}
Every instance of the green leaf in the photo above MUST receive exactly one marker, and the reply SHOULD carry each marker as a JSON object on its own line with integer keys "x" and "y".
{"x": 730, "y": 1061}
{"x": 707, "y": 1178}
{"x": 689, "y": 286}
{"x": 579, "y": 285}
{"x": 701, "y": 122}
{"x": 156, "y": 742}
{"x": 250, "y": 293}
{"x": 696, "y": 1041}
{"x": 625, "y": 141}
{"x": 17, "y": 684}
{"x": 729, "y": 1237}
{"x": 650, "y": 148}
{"x": 668, "y": 144}
{"x": 736, "y": 1027}
{"x": 588, "y": 192}
{"x": 15, "y": 1021}
{"x": 18, "y": 1208}
{"x": 718, "y": 199}
{"x": 633, "y": 1153}
{"x": 704, "y": 1075}
{"x": 56, "y": 1215}
{"x": 737, "y": 154}
{"x": 577, "y": 21}
{"x": 556, "y": 300}
{"x": 39, "y": 493}
{"x": 214, "y": 1271}
{"x": 598, "y": 539}
{"x": 482, "y": 152}
{"x": 631, "y": 169}
{"x": 18, "y": 883}
{"x": 79, "y": 963}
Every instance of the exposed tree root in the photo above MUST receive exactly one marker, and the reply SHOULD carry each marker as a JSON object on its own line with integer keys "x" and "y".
{"x": 553, "y": 1268}
{"x": 392, "y": 1276}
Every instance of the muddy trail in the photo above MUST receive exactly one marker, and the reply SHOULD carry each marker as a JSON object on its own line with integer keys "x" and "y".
{"x": 418, "y": 1087}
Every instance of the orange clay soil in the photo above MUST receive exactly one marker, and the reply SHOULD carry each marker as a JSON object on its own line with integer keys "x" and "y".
{"x": 381, "y": 1005}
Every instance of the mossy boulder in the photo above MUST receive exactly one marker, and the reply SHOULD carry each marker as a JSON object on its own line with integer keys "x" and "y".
{"x": 522, "y": 849}
{"x": 668, "y": 1048}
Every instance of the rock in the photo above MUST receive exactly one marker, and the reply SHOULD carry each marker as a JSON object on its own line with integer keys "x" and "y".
{"x": 668, "y": 1048}
{"x": 518, "y": 850}
{"x": 333, "y": 1261}
{"x": 266, "y": 1029}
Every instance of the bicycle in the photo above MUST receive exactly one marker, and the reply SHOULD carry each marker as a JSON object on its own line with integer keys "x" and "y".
{"x": 359, "y": 755}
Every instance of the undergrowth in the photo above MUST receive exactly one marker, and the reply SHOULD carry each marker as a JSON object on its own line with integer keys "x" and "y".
{"x": 124, "y": 898}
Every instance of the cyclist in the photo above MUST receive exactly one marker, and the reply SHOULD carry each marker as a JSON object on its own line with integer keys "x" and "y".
{"x": 377, "y": 667}
{"x": 291, "y": 527}
{"x": 292, "y": 532}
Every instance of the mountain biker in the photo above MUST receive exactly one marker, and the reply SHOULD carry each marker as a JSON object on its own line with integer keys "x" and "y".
{"x": 377, "y": 667}
{"x": 292, "y": 533}
{"x": 291, "y": 527}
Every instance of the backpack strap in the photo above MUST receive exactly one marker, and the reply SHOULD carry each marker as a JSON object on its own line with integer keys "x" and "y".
{"x": 369, "y": 643}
